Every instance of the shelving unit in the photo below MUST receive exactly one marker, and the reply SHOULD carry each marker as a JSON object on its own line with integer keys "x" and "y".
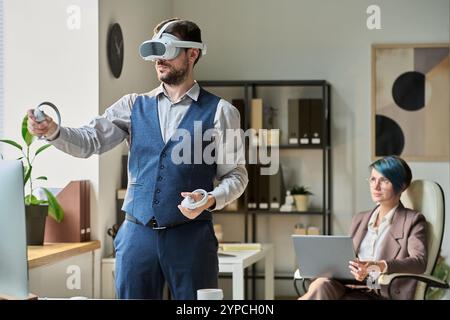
{"x": 282, "y": 91}
{"x": 277, "y": 93}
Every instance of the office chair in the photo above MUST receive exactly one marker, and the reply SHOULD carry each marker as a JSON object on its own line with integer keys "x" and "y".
{"x": 426, "y": 197}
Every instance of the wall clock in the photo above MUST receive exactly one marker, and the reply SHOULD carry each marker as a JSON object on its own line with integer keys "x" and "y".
{"x": 115, "y": 49}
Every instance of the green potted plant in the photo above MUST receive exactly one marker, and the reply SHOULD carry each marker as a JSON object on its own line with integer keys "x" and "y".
{"x": 301, "y": 196}
{"x": 36, "y": 209}
{"x": 442, "y": 272}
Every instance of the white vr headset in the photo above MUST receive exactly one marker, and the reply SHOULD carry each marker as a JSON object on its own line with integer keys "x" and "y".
{"x": 166, "y": 46}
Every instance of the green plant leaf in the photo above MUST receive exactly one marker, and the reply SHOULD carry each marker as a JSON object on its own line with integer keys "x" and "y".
{"x": 13, "y": 143}
{"x": 442, "y": 272}
{"x": 54, "y": 209}
{"x": 31, "y": 199}
{"x": 26, "y": 135}
{"x": 20, "y": 158}
{"x": 27, "y": 174}
{"x": 42, "y": 178}
{"x": 42, "y": 149}
{"x": 300, "y": 190}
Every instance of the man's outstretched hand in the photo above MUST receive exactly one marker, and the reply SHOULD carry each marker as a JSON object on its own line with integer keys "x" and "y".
{"x": 45, "y": 128}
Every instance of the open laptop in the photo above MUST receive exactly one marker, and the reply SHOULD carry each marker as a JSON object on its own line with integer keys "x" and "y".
{"x": 324, "y": 256}
{"x": 13, "y": 243}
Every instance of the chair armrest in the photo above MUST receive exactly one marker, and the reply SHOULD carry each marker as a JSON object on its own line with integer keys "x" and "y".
{"x": 387, "y": 279}
{"x": 298, "y": 277}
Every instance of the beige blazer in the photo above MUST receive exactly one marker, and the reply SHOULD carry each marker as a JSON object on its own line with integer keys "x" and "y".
{"x": 404, "y": 248}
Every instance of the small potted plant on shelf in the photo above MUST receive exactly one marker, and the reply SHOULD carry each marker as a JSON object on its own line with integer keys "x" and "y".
{"x": 301, "y": 196}
{"x": 36, "y": 209}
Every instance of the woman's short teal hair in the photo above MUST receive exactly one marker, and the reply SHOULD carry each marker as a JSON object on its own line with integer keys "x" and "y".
{"x": 396, "y": 170}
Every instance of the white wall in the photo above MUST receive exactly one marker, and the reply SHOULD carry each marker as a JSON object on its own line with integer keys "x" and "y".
{"x": 1, "y": 71}
{"x": 49, "y": 62}
{"x": 46, "y": 61}
{"x": 137, "y": 19}
{"x": 326, "y": 39}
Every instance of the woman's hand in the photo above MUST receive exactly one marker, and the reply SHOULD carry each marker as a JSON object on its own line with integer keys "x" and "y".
{"x": 360, "y": 269}
{"x": 194, "y": 213}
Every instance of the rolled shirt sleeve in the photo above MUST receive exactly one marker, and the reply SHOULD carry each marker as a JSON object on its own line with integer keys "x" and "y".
{"x": 230, "y": 157}
{"x": 102, "y": 134}
{"x": 108, "y": 130}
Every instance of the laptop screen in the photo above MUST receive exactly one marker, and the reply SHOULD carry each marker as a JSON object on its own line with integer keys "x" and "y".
{"x": 13, "y": 244}
{"x": 324, "y": 256}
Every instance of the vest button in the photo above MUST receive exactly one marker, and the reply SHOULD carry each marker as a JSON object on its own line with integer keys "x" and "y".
{"x": 162, "y": 167}
{"x": 158, "y": 191}
{"x": 159, "y": 178}
{"x": 156, "y": 202}
{"x": 164, "y": 155}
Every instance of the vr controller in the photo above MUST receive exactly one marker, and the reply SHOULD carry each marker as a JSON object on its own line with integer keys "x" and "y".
{"x": 190, "y": 203}
{"x": 40, "y": 115}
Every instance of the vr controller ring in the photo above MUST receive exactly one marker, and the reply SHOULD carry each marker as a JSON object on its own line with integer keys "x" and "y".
{"x": 40, "y": 115}
{"x": 189, "y": 202}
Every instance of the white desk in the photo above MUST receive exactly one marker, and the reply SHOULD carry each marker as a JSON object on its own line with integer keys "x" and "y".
{"x": 234, "y": 265}
{"x": 243, "y": 259}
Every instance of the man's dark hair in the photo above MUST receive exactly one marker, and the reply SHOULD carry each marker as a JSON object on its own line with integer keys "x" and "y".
{"x": 184, "y": 30}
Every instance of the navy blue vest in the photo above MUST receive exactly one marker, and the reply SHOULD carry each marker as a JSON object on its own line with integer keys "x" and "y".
{"x": 154, "y": 181}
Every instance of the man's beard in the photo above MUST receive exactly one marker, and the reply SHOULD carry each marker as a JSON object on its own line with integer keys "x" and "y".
{"x": 175, "y": 77}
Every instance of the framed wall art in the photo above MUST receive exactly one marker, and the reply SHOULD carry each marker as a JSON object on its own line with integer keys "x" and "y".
{"x": 411, "y": 101}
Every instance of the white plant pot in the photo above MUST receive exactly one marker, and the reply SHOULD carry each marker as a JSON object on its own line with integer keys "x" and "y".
{"x": 301, "y": 202}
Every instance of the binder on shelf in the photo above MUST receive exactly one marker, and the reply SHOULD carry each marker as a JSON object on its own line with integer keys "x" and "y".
{"x": 269, "y": 137}
{"x": 87, "y": 209}
{"x": 124, "y": 174}
{"x": 75, "y": 201}
{"x": 316, "y": 115}
{"x": 256, "y": 118}
{"x": 304, "y": 121}
{"x": 293, "y": 128}
{"x": 273, "y": 137}
{"x": 252, "y": 187}
{"x": 277, "y": 190}
{"x": 240, "y": 106}
{"x": 257, "y": 114}
{"x": 263, "y": 189}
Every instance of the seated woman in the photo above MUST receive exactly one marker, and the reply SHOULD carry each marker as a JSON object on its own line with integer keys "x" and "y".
{"x": 390, "y": 238}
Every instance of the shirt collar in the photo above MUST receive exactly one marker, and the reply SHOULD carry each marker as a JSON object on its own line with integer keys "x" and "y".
{"x": 386, "y": 219}
{"x": 192, "y": 93}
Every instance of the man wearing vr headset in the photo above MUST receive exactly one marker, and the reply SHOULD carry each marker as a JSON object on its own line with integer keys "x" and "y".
{"x": 160, "y": 240}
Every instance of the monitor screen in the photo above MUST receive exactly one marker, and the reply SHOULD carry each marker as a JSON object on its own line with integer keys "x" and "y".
{"x": 13, "y": 243}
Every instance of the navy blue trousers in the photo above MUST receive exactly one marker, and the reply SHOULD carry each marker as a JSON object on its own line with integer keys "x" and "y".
{"x": 184, "y": 256}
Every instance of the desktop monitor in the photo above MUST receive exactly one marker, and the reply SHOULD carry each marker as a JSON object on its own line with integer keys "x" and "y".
{"x": 13, "y": 243}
